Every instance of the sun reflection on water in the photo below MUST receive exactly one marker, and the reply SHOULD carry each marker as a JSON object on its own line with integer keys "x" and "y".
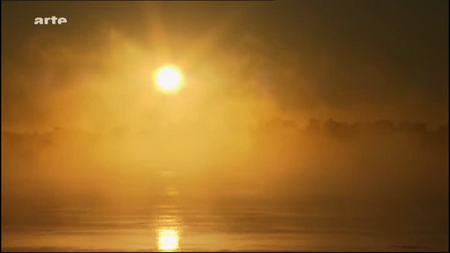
{"x": 168, "y": 240}
{"x": 168, "y": 223}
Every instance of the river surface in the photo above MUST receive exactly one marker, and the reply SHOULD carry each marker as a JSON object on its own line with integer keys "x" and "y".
{"x": 253, "y": 227}
{"x": 175, "y": 222}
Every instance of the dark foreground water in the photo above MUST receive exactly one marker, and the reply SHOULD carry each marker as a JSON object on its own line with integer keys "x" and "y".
{"x": 179, "y": 220}
{"x": 243, "y": 227}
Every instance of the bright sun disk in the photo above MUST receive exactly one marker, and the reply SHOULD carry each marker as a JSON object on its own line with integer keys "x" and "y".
{"x": 168, "y": 79}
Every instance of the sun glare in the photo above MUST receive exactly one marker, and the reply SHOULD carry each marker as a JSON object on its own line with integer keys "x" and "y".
{"x": 167, "y": 240}
{"x": 169, "y": 79}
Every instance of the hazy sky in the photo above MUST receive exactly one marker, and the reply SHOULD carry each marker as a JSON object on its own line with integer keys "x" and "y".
{"x": 347, "y": 60}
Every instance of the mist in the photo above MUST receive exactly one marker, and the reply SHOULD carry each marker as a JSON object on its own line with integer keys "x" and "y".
{"x": 311, "y": 121}
{"x": 332, "y": 166}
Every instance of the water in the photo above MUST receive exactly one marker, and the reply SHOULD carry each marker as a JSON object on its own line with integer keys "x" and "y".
{"x": 235, "y": 229}
{"x": 178, "y": 222}
{"x": 171, "y": 226}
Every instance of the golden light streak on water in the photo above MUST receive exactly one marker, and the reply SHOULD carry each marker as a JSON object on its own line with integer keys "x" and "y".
{"x": 168, "y": 240}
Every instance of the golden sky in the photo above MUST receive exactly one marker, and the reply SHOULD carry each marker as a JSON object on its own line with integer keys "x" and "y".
{"x": 243, "y": 63}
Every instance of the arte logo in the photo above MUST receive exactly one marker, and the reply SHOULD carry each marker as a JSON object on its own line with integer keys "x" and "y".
{"x": 53, "y": 21}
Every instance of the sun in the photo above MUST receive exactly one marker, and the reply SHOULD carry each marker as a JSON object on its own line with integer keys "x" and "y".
{"x": 169, "y": 79}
